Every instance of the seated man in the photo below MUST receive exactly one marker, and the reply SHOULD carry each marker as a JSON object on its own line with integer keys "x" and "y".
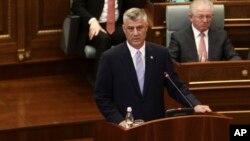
{"x": 199, "y": 42}
{"x": 100, "y": 25}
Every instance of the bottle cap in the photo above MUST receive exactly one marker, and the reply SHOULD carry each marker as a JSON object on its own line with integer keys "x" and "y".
{"x": 129, "y": 109}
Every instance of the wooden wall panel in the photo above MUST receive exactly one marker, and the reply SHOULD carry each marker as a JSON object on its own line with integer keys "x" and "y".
{"x": 8, "y": 24}
{"x": 242, "y": 11}
{"x": 44, "y": 23}
{"x": 225, "y": 88}
{"x": 30, "y": 30}
{"x": 237, "y": 23}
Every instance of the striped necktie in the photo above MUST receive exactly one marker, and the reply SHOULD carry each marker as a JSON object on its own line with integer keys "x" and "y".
{"x": 140, "y": 69}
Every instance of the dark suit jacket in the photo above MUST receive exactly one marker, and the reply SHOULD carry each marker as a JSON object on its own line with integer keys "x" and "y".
{"x": 182, "y": 47}
{"x": 117, "y": 86}
{"x": 88, "y": 9}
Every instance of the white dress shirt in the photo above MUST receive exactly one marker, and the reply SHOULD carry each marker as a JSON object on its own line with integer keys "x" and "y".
{"x": 133, "y": 52}
{"x": 103, "y": 17}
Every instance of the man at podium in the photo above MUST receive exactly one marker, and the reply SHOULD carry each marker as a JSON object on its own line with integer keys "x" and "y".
{"x": 134, "y": 74}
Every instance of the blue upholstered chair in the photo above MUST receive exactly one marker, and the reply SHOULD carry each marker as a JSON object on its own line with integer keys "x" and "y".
{"x": 70, "y": 35}
{"x": 177, "y": 18}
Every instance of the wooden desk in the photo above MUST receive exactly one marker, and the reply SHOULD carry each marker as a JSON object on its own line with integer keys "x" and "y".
{"x": 224, "y": 85}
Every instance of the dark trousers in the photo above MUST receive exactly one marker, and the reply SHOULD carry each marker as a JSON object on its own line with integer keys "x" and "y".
{"x": 104, "y": 41}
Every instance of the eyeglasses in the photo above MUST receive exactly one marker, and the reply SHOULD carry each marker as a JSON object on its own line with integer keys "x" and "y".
{"x": 201, "y": 17}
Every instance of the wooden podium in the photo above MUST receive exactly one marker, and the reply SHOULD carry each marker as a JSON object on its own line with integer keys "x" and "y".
{"x": 200, "y": 127}
{"x": 223, "y": 85}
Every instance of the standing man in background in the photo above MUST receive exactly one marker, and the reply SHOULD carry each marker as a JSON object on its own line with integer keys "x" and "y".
{"x": 134, "y": 73}
{"x": 199, "y": 42}
{"x": 101, "y": 23}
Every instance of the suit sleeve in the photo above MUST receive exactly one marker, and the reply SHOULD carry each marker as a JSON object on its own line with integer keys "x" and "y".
{"x": 103, "y": 91}
{"x": 229, "y": 51}
{"x": 78, "y": 8}
{"x": 174, "y": 48}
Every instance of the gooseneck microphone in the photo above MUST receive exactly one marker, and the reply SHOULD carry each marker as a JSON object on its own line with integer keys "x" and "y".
{"x": 178, "y": 111}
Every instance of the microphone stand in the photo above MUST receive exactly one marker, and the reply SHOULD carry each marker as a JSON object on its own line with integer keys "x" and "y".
{"x": 178, "y": 111}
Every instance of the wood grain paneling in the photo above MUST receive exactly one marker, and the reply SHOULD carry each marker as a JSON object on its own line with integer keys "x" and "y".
{"x": 224, "y": 85}
{"x": 8, "y": 24}
{"x": 30, "y": 30}
{"x": 45, "y": 17}
{"x": 207, "y": 127}
{"x": 47, "y": 101}
{"x": 44, "y": 23}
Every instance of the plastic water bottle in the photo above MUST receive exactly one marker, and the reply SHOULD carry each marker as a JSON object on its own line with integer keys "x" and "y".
{"x": 129, "y": 118}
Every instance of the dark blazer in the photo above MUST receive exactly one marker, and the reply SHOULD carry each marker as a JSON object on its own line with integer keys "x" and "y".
{"x": 182, "y": 47}
{"x": 117, "y": 86}
{"x": 88, "y": 9}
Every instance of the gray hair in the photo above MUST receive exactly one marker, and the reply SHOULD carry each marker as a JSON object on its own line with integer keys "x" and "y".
{"x": 197, "y": 3}
{"x": 134, "y": 14}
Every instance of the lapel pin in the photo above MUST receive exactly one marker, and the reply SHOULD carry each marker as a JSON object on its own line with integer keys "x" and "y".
{"x": 151, "y": 57}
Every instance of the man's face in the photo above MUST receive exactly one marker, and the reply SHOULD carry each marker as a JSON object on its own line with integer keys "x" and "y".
{"x": 135, "y": 32}
{"x": 201, "y": 17}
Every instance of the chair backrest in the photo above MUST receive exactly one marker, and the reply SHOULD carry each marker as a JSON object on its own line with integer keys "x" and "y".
{"x": 70, "y": 36}
{"x": 177, "y": 18}
{"x": 71, "y": 1}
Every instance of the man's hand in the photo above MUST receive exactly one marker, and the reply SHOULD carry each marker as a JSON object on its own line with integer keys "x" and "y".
{"x": 202, "y": 109}
{"x": 94, "y": 29}
{"x": 123, "y": 124}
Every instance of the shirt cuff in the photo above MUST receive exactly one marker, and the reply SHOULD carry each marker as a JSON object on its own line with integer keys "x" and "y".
{"x": 91, "y": 20}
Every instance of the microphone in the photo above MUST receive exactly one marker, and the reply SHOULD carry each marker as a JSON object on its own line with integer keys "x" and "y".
{"x": 178, "y": 111}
